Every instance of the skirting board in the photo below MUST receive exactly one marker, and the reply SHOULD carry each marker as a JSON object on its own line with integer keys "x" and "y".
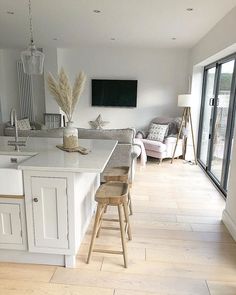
{"x": 229, "y": 223}
{"x": 35, "y": 258}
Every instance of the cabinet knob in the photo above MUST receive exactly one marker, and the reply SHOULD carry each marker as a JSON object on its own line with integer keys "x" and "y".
{"x": 35, "y": 200}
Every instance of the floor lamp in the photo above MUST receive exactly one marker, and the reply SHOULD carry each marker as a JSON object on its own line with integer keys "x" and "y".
{"x": 185, "y": 101}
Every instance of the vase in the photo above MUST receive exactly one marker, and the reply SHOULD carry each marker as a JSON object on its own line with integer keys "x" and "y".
{"x": 70, "y": 136}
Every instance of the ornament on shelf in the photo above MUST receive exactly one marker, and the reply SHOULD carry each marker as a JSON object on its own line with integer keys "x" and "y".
{"x": 98, "y": 123}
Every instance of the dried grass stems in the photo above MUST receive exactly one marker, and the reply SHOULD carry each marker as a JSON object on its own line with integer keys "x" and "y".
{"x": 66, "y": 97}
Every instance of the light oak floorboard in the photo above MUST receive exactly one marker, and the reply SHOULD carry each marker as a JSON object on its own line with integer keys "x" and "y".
{"x": 148, "y": 283}
{"x": 198, "y": 219}
{"x": 13, "y": 287}
{"x": 95, "y": 264}
{"x": 170, "y": 269}
{"x": 222, "y": 288}
{"x": 207, "y": 255}
{"x": 40, "y": 273}
{"x": 129, "y": 292}
{"x": 209, "y": 227}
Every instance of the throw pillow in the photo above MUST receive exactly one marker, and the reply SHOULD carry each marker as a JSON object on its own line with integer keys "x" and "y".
{"x": 24, "y": 124}
{"x": 157, "y": 132}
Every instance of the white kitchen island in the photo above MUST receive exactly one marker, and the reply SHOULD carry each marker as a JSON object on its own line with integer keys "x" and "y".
{"x": 47, "y": 222}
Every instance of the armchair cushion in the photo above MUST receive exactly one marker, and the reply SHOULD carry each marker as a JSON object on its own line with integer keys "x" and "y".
{"x": 157, "y": 132}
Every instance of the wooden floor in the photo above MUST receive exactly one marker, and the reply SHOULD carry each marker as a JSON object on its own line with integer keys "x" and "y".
{"x": 179, "y": 246}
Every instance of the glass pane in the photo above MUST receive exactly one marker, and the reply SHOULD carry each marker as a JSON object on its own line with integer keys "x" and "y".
{"x": 209, "y": 93}
{"x": 225, "y": 82}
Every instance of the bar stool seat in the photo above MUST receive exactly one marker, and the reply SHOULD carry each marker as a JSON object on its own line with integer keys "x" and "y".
{"x": 117, "y": 174}
{"x": 120, "y": 174}
{"x": 112, "y": 193}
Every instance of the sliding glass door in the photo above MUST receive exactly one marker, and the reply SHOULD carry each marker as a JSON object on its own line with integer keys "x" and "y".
{"x": 217, "y": 120}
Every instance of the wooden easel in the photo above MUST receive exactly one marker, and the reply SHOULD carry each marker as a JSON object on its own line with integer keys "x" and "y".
{"x": 186, "y": 118}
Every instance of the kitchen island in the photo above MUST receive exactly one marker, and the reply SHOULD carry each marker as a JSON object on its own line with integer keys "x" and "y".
{"x": 46, "y": 223}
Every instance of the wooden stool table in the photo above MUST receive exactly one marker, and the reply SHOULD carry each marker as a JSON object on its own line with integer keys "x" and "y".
{"x": 112, "y": 193}
{"x": 120, "y": 174}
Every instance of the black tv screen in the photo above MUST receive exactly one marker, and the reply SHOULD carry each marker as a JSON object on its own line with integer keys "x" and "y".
{"x": 114, "y": 93}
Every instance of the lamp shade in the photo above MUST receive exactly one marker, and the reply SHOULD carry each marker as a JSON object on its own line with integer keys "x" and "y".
{"x": 32, "y": 60}
{"x": 185, "y": 100}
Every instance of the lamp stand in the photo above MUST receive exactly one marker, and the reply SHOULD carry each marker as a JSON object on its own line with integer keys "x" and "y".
{"x": 186, "y": 118}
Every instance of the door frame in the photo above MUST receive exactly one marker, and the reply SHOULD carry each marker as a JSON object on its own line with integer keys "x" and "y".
{"x": 221, "y": 185}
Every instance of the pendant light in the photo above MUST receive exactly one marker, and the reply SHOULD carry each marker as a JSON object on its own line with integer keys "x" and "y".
{"x": 32, "y": 58}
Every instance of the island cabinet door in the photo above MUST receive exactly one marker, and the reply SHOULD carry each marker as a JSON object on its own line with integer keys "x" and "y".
{"x": 50, "y": 212}
{"x": 10, "y": 224}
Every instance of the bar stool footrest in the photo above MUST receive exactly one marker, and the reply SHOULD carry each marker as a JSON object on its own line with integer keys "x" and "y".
{"x": 110, "y": 228}
{"x": 108, "y": 251}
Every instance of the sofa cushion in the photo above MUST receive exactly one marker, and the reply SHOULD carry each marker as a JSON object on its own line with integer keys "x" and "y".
{"x": 154, "y": 145}
{"x": 157, "y": 132}
{"x": 24, "y": 124}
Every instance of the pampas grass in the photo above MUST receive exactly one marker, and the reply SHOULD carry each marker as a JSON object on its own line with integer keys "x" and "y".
{"x": 66, "y": 96}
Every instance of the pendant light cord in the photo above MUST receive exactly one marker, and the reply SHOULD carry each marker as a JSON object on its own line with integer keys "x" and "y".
{"x": 31, "y": 24}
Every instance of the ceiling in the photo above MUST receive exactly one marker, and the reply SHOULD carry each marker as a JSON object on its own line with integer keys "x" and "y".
{"x": 143, "y": 23}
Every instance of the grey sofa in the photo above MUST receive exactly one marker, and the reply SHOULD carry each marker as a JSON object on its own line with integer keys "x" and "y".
{"x": 56, "y": 133}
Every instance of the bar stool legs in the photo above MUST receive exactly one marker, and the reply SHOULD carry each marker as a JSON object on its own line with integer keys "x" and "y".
{"x": 127, "y": 223}
{"x": 130, "y": 203}
{"x": 97, "y": 227}
{"x": 95, "y": 230}
{"x": 115, "y": 194}
{"x": 122, "y": 233}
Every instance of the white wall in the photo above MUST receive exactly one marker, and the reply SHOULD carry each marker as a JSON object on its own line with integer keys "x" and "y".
{"x": 222, "y": 36}
{"x": 219, "y": 42}
{"x": 50, "y": 65}
{"x": 162, "y": 74}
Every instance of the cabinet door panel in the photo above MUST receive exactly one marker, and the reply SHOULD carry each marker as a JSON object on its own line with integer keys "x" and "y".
{"x": 10, "y": 224}
{"x": 50, "y": 215}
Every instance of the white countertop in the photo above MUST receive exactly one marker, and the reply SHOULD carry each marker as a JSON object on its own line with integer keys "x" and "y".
{"x": 47, "y": 157}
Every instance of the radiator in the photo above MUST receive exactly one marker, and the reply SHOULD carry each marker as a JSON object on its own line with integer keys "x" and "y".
{"x": 25, "y": 88}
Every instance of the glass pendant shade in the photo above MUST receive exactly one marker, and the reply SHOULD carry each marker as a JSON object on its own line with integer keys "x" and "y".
{"x": 32, "y": 60}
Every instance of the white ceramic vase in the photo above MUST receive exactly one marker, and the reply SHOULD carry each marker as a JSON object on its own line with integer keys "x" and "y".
{"x": 70, "y": 136}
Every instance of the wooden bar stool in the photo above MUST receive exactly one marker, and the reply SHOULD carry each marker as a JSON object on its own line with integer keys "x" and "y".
{"x": 120, "y": 174}
{"x": 112, "y": 193}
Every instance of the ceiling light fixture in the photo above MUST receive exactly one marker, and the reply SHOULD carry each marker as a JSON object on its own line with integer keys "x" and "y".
{"x": 189, "y": 9}
{"x": 97, "y": 11}
{"x": 113, "y": 39}
{"x": 32, "y": 58}
{"x": 10, "y": 12}
{"x": 174, "y": 38}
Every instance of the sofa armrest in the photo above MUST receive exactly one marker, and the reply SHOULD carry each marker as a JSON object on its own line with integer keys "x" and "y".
{"x": 135, "y": 151}
{"x": 141, "y": 134}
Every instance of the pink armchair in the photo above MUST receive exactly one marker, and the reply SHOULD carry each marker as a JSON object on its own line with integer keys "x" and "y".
{"x": 165, "y": 149}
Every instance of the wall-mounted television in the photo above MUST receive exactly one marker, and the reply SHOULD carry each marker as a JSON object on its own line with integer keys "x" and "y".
{"x": 114, "y": 93}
